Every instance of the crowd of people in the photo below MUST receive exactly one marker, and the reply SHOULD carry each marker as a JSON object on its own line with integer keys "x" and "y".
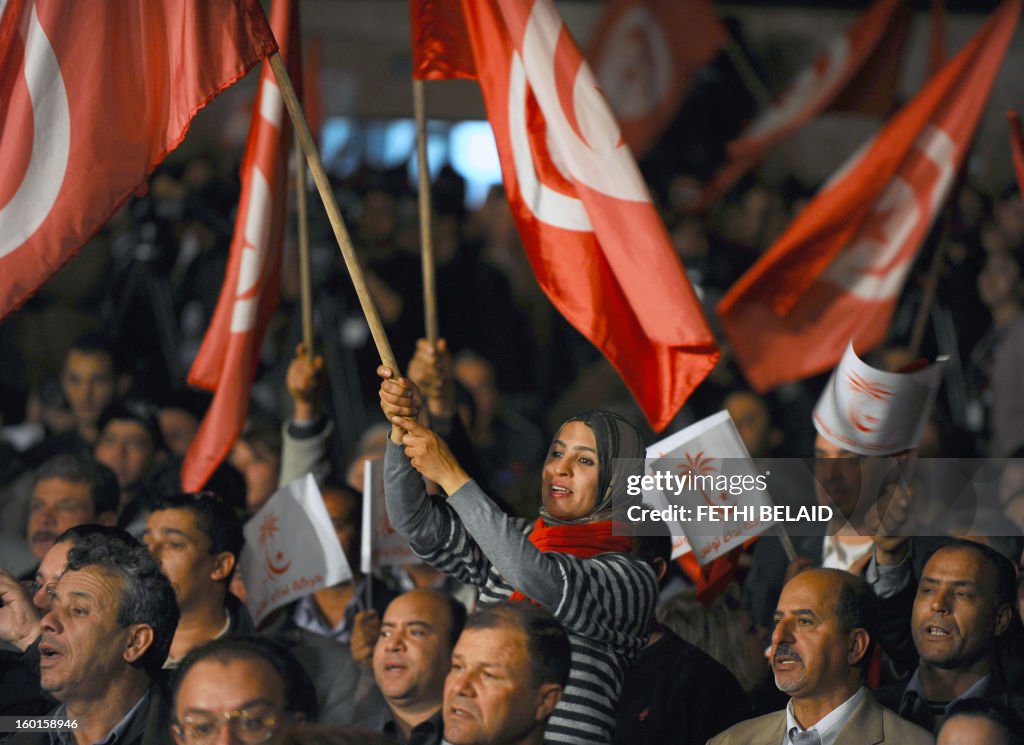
{"x": 530, "y": 617}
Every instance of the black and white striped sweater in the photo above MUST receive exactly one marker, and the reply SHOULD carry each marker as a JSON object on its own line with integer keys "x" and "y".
{"x": 604, "y": 602}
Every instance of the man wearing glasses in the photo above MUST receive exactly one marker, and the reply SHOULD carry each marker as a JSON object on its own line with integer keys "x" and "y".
{"x": 250, "y": 685}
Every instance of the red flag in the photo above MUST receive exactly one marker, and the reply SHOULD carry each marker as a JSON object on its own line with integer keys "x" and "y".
{"x": 227, "y": 360}
{"x": 836, "y": 272}
{"x": 1017, "y": 147}
{"x": 591, "y": 233}
{"x": 645, "y": 53}
{"x": 92, "y": 97}
{"x": 873, "y": 89}
{"x": 440, "y": 42}
{"x": 813, "y": 91}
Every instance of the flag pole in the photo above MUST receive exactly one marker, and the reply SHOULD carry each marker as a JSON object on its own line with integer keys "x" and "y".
{"x": 787, "y": 543}
{"x": 746, "y": 72}
{"x": 426, "y": 229}
{"x": 305, "y": 280}
{"x": 316, "y": 167}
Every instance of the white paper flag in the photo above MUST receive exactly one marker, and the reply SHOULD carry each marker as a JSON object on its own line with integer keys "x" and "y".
{"x": 382, "y": 545}
{"x": 873, "y": 412}
{"x": 704, "y": 453}
{"x": 290, "y": 549}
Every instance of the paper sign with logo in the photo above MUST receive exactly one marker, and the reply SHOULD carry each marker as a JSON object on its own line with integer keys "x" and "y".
{"x": 291, "y": 549}
{"x": 382, "y": 545}
{"x": 702, "y": 454}
{"x": 873, "y": 412}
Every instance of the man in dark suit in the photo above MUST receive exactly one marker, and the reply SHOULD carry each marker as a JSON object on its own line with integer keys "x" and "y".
{"x": 824, "y": 626}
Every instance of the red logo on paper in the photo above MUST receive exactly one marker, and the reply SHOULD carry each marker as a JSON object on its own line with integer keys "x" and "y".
{"x": 274, "y": 558}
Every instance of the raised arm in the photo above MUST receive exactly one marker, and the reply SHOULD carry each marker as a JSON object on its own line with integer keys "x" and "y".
{"x": 305, "y": 435}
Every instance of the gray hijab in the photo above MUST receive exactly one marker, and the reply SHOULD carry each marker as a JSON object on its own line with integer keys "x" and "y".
{"x": 620, "y": 454}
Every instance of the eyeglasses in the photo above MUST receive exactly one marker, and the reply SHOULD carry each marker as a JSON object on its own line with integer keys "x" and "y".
{"x": 251, "y": 726}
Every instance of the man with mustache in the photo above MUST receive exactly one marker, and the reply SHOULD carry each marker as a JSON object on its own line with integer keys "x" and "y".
{"x": 69, "y": 490}
{"x": 823, "y": 637}
{"x": 508, "y": 671}
{"x": 963, "y": 622}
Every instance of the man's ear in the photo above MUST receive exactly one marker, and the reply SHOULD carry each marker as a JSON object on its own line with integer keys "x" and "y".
{"x": 140, "y": 638}
{"x": 1004, "y": 614}
{"x": 548, "y": 696}
{"x": 224, "y": 562}
{"x": 860, "y": 641}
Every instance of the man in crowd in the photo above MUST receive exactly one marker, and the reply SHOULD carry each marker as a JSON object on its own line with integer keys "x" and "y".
{"x": 20, "y": 616}
{"x": 196, "y": 539}
{"x": 410, "y": 661}
{"x": 658, "y": 705}
{"x": 111, "y": 623}
{"x": 963, "y": 613}
{"x": 824, "y": 633}
{"x": 89, "y": 382}
{"x": 131, "y": 444}
{"x": 508, "y": 671}
{"x": 974, "y": 721}
{"x": 250, "y": 685}
{"x": 845, "y": 450}
{"x": 69, "y": 490}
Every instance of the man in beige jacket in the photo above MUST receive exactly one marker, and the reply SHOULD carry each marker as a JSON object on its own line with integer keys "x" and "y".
{"x": 824, "y": 633}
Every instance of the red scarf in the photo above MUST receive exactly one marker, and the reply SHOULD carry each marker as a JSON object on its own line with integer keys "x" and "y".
{"x": 584, "y": 540}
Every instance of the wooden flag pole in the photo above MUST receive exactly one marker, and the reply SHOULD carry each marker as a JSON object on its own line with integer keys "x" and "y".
{"x": 746, "y": 72}
{"x": 787, "y": 544}
{"x": 426, "y": 228}
{"x": 305, "y": 280}
{"x": 323, "y": 186}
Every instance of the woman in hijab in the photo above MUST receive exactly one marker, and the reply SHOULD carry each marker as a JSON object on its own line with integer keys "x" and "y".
{"x": 569, "y": 560}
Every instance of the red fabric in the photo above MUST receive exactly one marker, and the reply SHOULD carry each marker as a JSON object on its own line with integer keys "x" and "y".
{"x": 874, "y": 89}
{"x": 585, "y": 541}
{"x": 440, "y": 42}
{"x": 711, "y": 580}
{"x": 836, "y": 272}
{"x": 115, "y": 85}
{"x": 1017, "y": 148}
{"x": 645, "y": 54}
{"x": 813, "y": 91}
{"x": 227, "y": 360}
{"x": 592, "y": 235}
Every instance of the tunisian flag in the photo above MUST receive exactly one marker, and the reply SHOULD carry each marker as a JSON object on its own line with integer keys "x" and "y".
{"x": 93, "y": 95}
{"x": 836, "y": 273}
{"x": 846, "y": 76}
{"x": 591, "y": 233}
{"x": 645, "y": 53}
{"x": 228, "y": 357}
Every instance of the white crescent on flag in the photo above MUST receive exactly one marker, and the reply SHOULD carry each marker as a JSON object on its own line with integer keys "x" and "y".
{"x": 51, "y": 140}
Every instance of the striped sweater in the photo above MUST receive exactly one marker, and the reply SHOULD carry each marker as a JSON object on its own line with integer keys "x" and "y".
{"x": 604, "y": 602}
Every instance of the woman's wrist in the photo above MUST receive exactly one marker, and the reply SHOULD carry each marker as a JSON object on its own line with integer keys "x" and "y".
{"x": 454, "y": 480}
